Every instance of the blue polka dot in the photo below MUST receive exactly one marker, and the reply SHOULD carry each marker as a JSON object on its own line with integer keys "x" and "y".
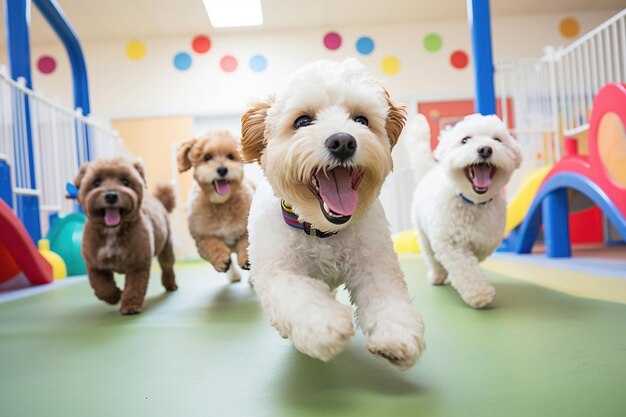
{"x": 182, "y": 61}
{"x": 258, "y": 63}
{"x": 365, "y": 45}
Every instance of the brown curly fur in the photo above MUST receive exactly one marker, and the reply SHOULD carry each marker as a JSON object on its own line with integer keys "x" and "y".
{"x": 166, "y": 195}
{"x": 253, "y": 129}
{"x": 395, "y": 119}
{"x": 218, "y": 224}
{"x": 127, "y": 248}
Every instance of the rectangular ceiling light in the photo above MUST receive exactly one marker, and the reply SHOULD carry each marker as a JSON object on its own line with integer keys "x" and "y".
{"x": 234, "y": 13}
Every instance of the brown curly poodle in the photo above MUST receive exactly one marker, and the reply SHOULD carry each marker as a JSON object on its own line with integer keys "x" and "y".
{"x": 125, "y": 228}
{"x": 219, "y": 201}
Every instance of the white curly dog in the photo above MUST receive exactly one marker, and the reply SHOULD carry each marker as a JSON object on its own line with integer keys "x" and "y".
{"x": 324, "y": 143}
{"x": 458, "y": 207}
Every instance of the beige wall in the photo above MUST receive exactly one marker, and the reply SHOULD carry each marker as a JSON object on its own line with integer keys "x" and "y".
{"x": 122, "y": 88}
{"x": 154, "y": 140}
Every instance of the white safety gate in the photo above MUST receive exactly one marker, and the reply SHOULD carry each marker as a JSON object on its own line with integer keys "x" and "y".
{"x": 61, "y": 140}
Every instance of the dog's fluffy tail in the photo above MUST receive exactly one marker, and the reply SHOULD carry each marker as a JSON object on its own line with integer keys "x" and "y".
{"x": 417, "y": 144}
{"x": 165, "y": 193}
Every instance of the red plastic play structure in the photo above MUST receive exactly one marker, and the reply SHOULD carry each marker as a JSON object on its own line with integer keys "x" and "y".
{"x": 599, "y": 176}
{"x": 17, "y": 251}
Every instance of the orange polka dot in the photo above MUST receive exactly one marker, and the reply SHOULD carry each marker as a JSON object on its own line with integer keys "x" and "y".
{"x": 569, "y": 27}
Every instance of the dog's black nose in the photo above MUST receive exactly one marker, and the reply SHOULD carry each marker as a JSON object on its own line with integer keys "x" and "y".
{"x": 110, "y": 197}
{"x": 222, "y": 171}
{"x": 341, "y": 145}
{"x": 485, "y": 151}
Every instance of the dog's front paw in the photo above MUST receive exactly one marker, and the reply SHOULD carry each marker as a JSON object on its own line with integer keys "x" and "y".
{"x": 110, "y": 296}
{"x": 246, "y": 265}
{"x": 233, "y": 275}
{"x": 223, "y": 265}
{"x": 479, "y": 296}
{"x": 130, "y": 309}
{"x": 399, "y": 345}
{"x": 437, "y": 277}
{"x": 168, "y": 279}
{"x": 322, "y": 331}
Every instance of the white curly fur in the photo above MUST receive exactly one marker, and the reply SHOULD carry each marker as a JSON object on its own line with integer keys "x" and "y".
{"x": 455, "y": 236}
{"x": 295, "y": 275}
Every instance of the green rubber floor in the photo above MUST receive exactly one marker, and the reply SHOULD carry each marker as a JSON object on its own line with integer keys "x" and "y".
{"x": 208, "y": 350}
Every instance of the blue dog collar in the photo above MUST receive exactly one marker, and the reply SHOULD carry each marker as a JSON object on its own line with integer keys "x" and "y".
{"x": 470, "y": 202}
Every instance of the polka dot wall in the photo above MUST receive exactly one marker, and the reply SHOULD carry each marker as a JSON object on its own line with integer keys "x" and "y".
{"x": 364, "y": 45}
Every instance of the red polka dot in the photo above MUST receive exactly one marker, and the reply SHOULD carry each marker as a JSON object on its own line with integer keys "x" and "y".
{"x": 459, "y": 59}
{"x": 201, "y": 44}
{"x": 332, "y": 40}
{"x": 46, "y": 64}
{"x": 228, "y": 63}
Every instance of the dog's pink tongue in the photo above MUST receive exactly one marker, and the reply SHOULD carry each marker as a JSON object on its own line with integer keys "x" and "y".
{"x": 112, "y": 216}
{"x": 222, "y": 187}
{"x": 482, "y": 176}
{"x": 336, "y": 190}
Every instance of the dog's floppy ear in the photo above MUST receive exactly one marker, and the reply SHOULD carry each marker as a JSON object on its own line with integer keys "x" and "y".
{"x": 517, "y": 150}
{"x": 81, "y": 174}
{"x": 396, "y": 118}
{"x": 138, "y": 165}
{"x": 182, "y": 157}
{"x": 252, "y": 131}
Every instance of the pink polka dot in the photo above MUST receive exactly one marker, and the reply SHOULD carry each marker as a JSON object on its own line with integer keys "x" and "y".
{"x": 228, "y": 63}
{"x": 332, "y": 40}
{"x": 46, "y": 64}
{"x": 459, "y": 59}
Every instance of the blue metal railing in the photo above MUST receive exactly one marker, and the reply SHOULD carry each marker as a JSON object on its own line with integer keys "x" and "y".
{"x": 17, "y": 13}
{"x": 478, "y": 18}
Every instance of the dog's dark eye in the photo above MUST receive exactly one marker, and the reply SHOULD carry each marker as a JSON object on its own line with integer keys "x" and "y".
{"x": 465, "y": 139}
{"x": 362, "y": 119}
{"x": 497, "y": 140}
{"x": 97, "y": 183}
{"x": 230, "y": 156}
{"x": 208, "y": 157}
{"x": 302, "y": 121}
{"x": 125, "y": 182}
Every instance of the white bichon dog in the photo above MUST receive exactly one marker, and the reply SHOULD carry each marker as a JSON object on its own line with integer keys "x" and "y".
{"x": 458, "y": 207}
{"x": 324, "y": 143}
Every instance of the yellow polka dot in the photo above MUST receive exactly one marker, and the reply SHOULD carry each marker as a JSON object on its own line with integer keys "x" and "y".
{"x": 135, "y": 50}
{"x": 390, "y": 65}
{"x": 569, "y": 27}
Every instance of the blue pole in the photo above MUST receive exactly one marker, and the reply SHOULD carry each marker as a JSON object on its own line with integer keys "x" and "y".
{"x": 6, "y": 193}
{"x": 480, "y": 29}
{"x": 555, "y": 212}
{"x": 61, "y": 25}
{"x": 17, "y": 15}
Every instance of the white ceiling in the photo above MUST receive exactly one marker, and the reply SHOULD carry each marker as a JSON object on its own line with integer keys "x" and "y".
{"x": 127, "y": 19}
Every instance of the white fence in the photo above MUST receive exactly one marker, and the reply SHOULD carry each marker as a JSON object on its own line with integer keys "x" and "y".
{"x": 59, "y": 145}
{"x": 552, "y": 96}
{"x": 595, "y": 59}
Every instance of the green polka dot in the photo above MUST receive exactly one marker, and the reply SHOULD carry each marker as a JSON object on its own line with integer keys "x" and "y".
{"x": 432, "y": 42}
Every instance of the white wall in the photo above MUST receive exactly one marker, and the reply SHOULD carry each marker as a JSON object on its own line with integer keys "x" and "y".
{"x": 152, "y": 86}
